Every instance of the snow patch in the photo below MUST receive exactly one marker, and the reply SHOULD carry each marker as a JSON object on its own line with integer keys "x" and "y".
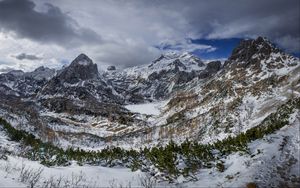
{"x": 153, "y": 108}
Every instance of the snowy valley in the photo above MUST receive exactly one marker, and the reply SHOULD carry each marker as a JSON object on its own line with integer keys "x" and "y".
{"x": 178, "y": 121}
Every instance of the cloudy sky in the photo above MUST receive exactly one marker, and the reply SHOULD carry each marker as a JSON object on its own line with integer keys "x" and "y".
{"x": 133, "y": 32}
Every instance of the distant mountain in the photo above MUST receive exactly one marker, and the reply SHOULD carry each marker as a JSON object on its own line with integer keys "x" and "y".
{"x": 25, "y": 84}
{"x": 160, "y": 79}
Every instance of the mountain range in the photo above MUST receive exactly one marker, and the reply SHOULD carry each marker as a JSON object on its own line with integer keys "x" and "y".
{"x": 175, "y": 98}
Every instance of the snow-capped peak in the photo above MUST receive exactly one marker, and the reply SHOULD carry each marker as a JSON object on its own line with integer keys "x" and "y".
{"x": 168, "y": 61}
{"x": 185, "y": 59}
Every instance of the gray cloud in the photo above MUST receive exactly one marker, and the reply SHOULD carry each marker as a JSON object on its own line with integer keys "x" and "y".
{"x": 52, "y": 25}
{"x": 185, "y": 46}
{"x": 276, "y": 19}
{"x": 23, "y": 56}
{"x": 134, "y": 28}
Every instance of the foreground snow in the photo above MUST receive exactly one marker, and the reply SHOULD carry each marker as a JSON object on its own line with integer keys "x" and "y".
{"x": 74, "y": 175}
{"x": 274, "y": 161}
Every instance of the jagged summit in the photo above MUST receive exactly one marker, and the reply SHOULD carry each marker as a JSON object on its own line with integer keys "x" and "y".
{"x": 176, "y": 60}
{"x": 82, "y": 59}
{"x": 248, "y": 48}
{"x": 78, "y": 81}
{"x": 16, "y": 72}
{"x": 41, "y": 73}
{"x": 81, "y": 68}
{"x": 176, "y": 55}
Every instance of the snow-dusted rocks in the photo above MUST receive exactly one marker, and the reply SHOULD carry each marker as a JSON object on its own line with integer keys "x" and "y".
{"x": 82, "y": 68}
{"x": 80, "y": 81}
{"x": 41, "y": 73}
{"x": 161, "y": 78}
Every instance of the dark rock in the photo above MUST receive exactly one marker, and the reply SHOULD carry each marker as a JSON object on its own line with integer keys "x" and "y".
{"x": 3, "y": 157}
{"x": 247, "y": 48}
{"x": 184, "y": 77}
{"x": 81, "y": 81}
{"x": 177, "y": 63}
{"x": 213, "y": 66}
{"x": 158, "y": 59}
{"x": 111, "y": 68}
{"x": 81, "y": 68}
{"x": 203, "y": 75}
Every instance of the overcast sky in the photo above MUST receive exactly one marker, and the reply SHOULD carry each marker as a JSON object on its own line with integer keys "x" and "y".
{"x": 133, "y": 32}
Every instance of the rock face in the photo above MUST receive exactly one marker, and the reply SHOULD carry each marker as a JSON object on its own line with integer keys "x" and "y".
{"x": 41, "y": 73}
{"x": 25, "y": 84}
{"x": 247, "y": 48}
{"x": 81, "y": 81}
{"x": 111, "y": 68}
{"x": 252, "y": 51}
{"x": 81, "y": 68}
{"x": 213, "y": 66}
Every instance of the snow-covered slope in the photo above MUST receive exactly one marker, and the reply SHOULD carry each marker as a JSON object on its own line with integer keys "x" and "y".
{"x": 253, "y": 83}
{"x": 272, "y": 161}
{"x": 159, "y": 80}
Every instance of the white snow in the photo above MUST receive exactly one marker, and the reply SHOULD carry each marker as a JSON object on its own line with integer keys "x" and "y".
{"x": 166, "y": 63}
{"x": 85, "y": 63}
{"x": 92, "y": 176}
{"x": 153, "y": 108}
{"x": 259, "y": 167}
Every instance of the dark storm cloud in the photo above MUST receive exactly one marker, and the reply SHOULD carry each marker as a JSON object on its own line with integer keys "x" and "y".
{"x": 275, "y": 19}
{"x": 278, "y": 20}
{"x": 51, "y": 25}
{"x": 23, "y": 56}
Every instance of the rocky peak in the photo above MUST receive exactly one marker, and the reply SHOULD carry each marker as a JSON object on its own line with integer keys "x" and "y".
{"x": 159, "y": 59}
{"x": 16, "y": 72}
{"x": 111, "y": 68}
{"x": 82, "y": 59}
{"x": 41, "y": 68}
{"x": 81, "y": 68}
{"x": 248, "y": 48}
{"x": 41, "y": 73}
